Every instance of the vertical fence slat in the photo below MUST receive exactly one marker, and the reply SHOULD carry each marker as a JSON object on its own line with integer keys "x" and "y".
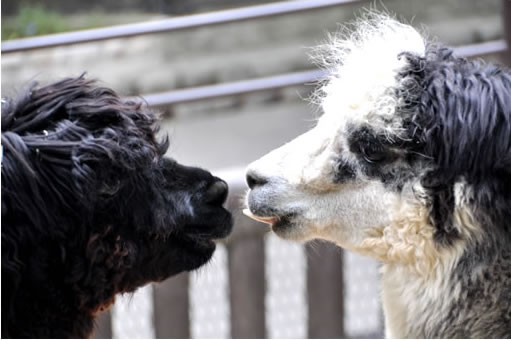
{"x": 325, "y": 290}
{"x": 103, "y": 327}
{"x": 247, "y": 280}
{"x": 506, "y": 18}
{"x": 171, "y": 308}
{"x": 245, "y": 256}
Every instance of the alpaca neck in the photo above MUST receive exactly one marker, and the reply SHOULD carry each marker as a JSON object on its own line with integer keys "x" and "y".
{"x": 413, "y": 302}
{"x": 462, "y": 298}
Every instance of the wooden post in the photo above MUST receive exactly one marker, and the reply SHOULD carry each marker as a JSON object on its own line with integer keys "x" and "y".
{"x": 171, "y": 308}
{"x": 103, "y": 326}
{"x": 506, "y": 17}
{"x": 325, "y": 290}
{"x": 245, "y": 247}
{"x": 247, "y": 279}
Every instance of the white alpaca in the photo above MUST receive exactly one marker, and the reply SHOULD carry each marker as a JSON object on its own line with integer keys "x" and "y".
{"x": 395, "y": 169}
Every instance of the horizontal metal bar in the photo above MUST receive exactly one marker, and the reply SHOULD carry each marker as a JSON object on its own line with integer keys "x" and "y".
{"x": 506, "y": 20}
{"x": 231, "y": 89}
{"x": 281, "y": 81}
{"x": 173, "y": 24}
{"x": 480, "y": 49}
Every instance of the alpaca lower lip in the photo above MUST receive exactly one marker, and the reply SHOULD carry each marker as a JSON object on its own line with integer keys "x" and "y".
{"x": 267, "y": 220}
{"x": 283, "y": 223}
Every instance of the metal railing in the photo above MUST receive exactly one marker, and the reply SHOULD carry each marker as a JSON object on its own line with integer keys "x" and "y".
{"x": 222, "y": 17}
{"x": 284, "y": 80}
{"x": 232, "y": 88}
{"x": 173, "y": 24}
{"x": 506, "y": 19}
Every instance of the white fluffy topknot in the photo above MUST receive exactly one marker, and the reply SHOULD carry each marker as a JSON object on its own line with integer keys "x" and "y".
{"x": 362, "y": 63}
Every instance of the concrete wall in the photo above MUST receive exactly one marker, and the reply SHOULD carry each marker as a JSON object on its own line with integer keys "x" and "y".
{"x": 10, "y": 7}
{"x": 236, "y": 51}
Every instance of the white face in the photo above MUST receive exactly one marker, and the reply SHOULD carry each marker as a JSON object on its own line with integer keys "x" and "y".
{"x": 304, "y": 189}
{"x": 341, "y": 180}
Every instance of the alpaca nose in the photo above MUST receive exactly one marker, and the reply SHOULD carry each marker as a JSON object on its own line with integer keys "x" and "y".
{"x": 217, "y": 192}
{"x": 254, "y": 179}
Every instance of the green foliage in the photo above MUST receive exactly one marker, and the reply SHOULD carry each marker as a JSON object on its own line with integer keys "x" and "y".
{"x": 31, "y": 21}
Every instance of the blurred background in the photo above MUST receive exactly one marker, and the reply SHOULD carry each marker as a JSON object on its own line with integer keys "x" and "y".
{"x": 231, "y": 79}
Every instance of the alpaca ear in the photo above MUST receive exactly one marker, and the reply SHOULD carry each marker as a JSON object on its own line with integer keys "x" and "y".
{"x": 90, "y": 161}
{"x": 99, "y": 164}
{"x": 101, "y": 161}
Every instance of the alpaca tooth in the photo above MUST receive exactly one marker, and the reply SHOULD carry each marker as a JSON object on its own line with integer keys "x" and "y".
{"x": 268, "y": 220}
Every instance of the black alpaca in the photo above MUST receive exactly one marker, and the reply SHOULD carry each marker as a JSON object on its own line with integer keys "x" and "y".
{"x": 92, "y": 208}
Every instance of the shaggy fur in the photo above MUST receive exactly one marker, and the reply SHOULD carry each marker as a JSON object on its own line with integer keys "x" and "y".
{"x": 409, "y": 164}
{"x": 92, "y": 208}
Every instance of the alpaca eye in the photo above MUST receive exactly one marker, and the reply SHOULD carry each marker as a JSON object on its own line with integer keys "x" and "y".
{"x": 373, "y": 154}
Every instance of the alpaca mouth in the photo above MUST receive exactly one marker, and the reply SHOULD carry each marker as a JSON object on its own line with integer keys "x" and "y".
{"x": 205, "y": 243}
{"x": 276, "y": 223}
{"x": 200, "y": 244}
{"x": 267, "y": 220}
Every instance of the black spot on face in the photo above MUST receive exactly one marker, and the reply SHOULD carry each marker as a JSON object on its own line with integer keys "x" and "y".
{"x": 344, "y": 172}
{"x": 371, "y": 148}
{"x": 377, "y": 156}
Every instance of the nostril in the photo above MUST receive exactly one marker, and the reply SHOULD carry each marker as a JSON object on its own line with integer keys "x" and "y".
{"x": 254, "y": 180}
{"x": 217, "y": 192}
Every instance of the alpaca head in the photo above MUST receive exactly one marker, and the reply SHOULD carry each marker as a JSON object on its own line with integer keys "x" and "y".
{"x": 91, "y": 207}
{"x": 410, "y": 138}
